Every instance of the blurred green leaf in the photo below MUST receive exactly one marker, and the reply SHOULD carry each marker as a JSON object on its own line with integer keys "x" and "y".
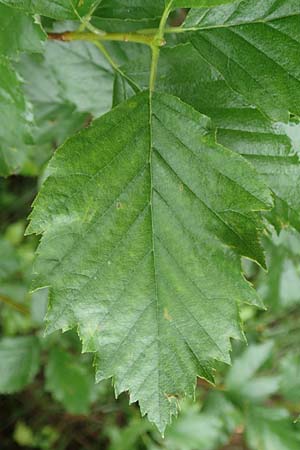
{"x": 290, "y": 377}
{"x": 242, "y": 380}
{"x": 69, "y": 380}
{"x": 9, "y": 262}
{"x": 129, "y": 437}
{"x": 15, "y": 114}
{"x": 27, "y": 35}
{"x": 19, "y": 362}
{"x": 206, "y": 429}
{"x": 23, "y": 435}
{"x": 271, "y": 429}
{"x": 55, "y": 86}
{"x": 280, "y": 287}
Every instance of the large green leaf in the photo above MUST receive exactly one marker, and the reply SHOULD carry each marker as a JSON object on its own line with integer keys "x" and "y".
{"x": 246, "y": 41}
{"x": 19, "y": 362}
{"x": 58, "y": 9}
{"x": 15, "y": 118}
{"x": 271, "y": 147}
{"x": 18, "y": 33}
{"x": 137, "y": 215}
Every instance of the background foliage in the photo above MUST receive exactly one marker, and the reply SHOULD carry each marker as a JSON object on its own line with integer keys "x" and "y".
{"x": 50, "y": 90}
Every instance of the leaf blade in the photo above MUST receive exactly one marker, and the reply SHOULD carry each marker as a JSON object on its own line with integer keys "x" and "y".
{"x": 238, "y": 39}
{"x": 148, "y": 207}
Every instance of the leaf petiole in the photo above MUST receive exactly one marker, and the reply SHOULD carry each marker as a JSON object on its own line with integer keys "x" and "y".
{"x": 68, "y": 36}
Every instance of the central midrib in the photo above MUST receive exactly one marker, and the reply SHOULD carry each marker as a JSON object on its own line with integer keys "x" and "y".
{"x": 153, "y": 243}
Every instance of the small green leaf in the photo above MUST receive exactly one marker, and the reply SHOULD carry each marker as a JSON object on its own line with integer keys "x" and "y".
{"x": 290, "y": 377}
{"x": 19, "y": 362}
{"x": 242, "y": 380}
{"x": 271, "y": 429}
{"x": 69, "y": 381}
{"x": 280, "y": 288}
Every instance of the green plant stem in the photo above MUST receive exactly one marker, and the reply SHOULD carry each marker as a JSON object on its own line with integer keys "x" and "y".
{"x": 157, "y": 42}
{"x": 167, "y": 30}
{"x": 153, "y": 70}
{"x": 92, "y": 37}
{"x": 17, "y": 306}
{"x": 152, "y": 37}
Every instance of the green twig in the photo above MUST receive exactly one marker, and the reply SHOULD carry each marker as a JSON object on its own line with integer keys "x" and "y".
{"x": 17, "y": 306}
{"x": 92, "y": 37}
{"x": 157, "y": 42}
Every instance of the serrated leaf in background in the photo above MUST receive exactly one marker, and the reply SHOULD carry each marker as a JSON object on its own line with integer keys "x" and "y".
{"x": 271, "y": 147}
{"x": 245, "y": 42}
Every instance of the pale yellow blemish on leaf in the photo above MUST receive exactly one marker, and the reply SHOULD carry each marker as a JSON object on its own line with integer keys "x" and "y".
{"x": 167, "y": 315}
